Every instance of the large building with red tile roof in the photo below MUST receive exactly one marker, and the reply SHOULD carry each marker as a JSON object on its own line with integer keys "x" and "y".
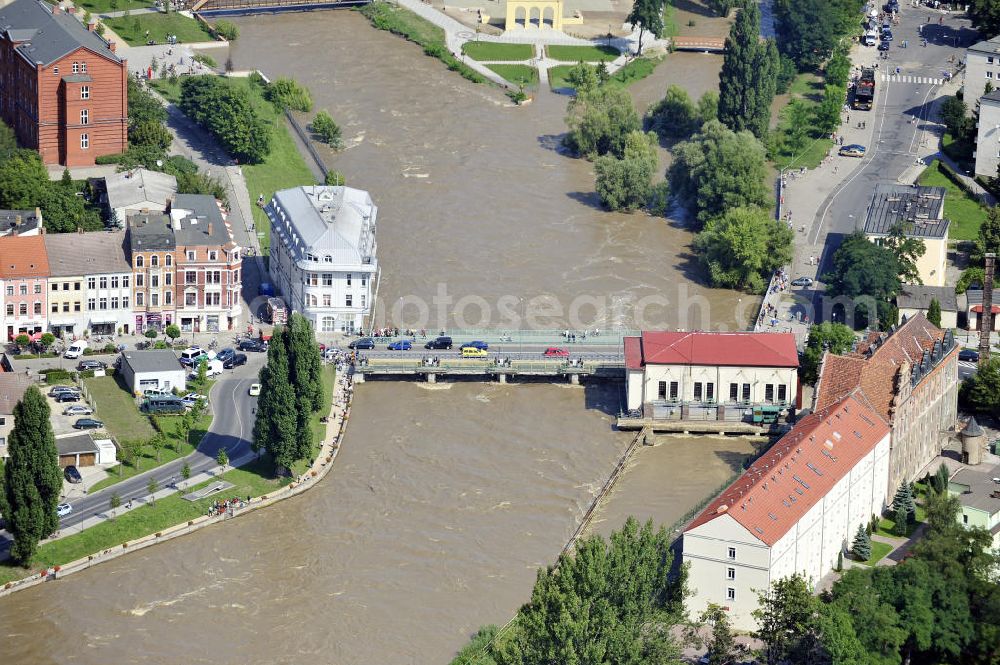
{"x": 710, "y": 375}
{"x": 909, "y": 377}
{"x": 794, "y": 510}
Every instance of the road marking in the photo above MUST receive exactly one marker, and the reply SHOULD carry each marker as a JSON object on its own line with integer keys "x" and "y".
{"x": 907, "y": 78}
{"x": 239, "y": 416}
{"x": 922, "y": 118}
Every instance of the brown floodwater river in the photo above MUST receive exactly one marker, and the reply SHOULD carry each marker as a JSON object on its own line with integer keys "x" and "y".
{"x": 445, "y": 499}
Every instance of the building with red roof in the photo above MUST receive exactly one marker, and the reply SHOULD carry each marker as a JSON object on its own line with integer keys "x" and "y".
{"x": 794, "y": 510}
{"x": 710, "y": 375}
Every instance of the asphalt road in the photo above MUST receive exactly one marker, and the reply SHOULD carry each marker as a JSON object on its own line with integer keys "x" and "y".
{"x": 900, "y": 117}
{"x": 231, "y": 429}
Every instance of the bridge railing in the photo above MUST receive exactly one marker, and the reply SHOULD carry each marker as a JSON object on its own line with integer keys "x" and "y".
{"x": 594, "y": 336}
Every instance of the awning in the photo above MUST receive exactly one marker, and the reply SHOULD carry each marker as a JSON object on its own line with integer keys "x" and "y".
{"x": 35, "y": 337}
{"x": 62, "y": 322}
{"x": 99, "y": 320}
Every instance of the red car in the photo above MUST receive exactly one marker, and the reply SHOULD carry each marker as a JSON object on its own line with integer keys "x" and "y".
{"x": 556, "y": 352}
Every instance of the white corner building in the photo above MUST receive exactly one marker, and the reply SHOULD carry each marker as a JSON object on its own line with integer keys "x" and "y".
{"x": 323, "y": 254}
{"x": 793, "y": 511}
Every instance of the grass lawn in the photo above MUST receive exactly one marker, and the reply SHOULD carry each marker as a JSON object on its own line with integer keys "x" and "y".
{"x": 102, "y": 6}
{"x": 584, "y": 53}
{"x": 329, "y": 377}
{"x": 517, "y": 74}
{"x": 284, "y": 167}
{"x": 879, "y": 550}
{"x": 114, "y": 405}
{"x": 494, "y": 51}
{"x": 809, "y": 88}
{"x": 965, "y": 212}
{"x": 133, "y": 28}
{"x": 887, "y": 525}
{"x": 960, "y": 150}
{"x": 557, "y": 76}
{"x": 636, "y": 70}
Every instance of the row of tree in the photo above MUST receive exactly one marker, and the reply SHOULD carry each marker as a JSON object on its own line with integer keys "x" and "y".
{"x": 291, "y": 392}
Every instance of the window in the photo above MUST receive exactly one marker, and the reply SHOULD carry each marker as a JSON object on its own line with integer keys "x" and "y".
{"x": 734, "y": 392}
{"x": 363, "y": 300}
{"x": 37, "y": 308}
{"x": 22, "y": 309}
{"x": 312, "y": 279}
{"x": 125, "y": 302}
{"x": 91, "y": 282}
{"x": 327, "y": 258}
{"x": 66, "y": 307}
{"x": 348, "y": 279}
{"x": 214, "y": 277}
{"x": 154, "y": 281}
{"x": 730, "y": 593}
{"x": 769, "y": 392}
{"x": 55, "y": 287}
{"x": 10, "y": 290}
{"x": 190, "y": 255}
{"x": 38, "y": 288}
{"x": 23, "y": 290}
{"x": 213, "y": 299}
{"x": 66, "y": 286}
{"x": 139, "y": 280}
{"x": 989, "y": 59}
{"x": 114, "y": 282}
{"x": 84, "y": 117}
{"x": 213, "y": 256}
{"x": 55, "y": 70}
{"x": 85, "y": 92}
{"x": 124, "y": 281}
{"x": 989, "y": 75}
{"x": 104, "y": 282}
{"x": 661, "y": 390}
{"x": 673, "y": 390}
{"x": 730, "y": 573}
{"x": 154, "y": 299}
{"x": 349, "y": 302}
{"x": 191, "y": 299}
{"x": 326, "y": 300}
{"x": 138, "y": 262}
{"x": 364, "y": 280}
{"x": 746, "y": 392}
{"x": 76, "y": 307}
{"x": 114, "y": 302}
{"x": 168, "y": 297}
{"x": 84, "y": 141}
{"x": 83, "y": 67}
{"x": 965, "y": 518}
{"x": 327, "y": 279}
{"x": 732, "y": 552}
{"x": 169, "y": 278}
{"x": 328, "y": 324}
{"x": 76, "y": 286}
{"x": 91, "y": 304}
{"x": 169, "y": 260}
{"x": 76, "y": 67}
{"x": 55, "y": 307}
{"x": 190, "y": 277}
{"x": 710, "y": 391}
{"x": 138, "y": 300}
{"x": 782, "y": 393}
{"x": 10, "y": 309}
{"x": 102, "y": 303}
{"x": 154, "y": 261}
{"x": 697, "y": 391}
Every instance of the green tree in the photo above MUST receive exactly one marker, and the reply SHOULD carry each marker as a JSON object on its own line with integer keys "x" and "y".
{"x": 305, "y": 369}
{"x": 719, "y": 169}
{"x": 722, "y": 647}
{"x": 227, "y": 112}
{"x": 985, "y": 15}
{"x": 748, "y": 79}
{"x": 202, "y": 379}
{"x": 152, "y": 134}
{"x": 874, "y": 621}
{"x": 827, "y": 336}
{"x": 786, "y": 618}
{"x": 289, "y": 93}
{"x": 866, "y": 273}
{"x": 900, "y": 522}
{"x": 186, "y": 471}
{"x": 222, "y": 459}
{"x": 172, "y": 331}
{"x": 275, "y": 427}
{"x": 787, "y": 72}
{"x": 827, "y": 114}
{"x": 114, "y": 503}
{"x": 648, "y": 16}
{"x": 599, "y": 120}
{"x": 23, "y": 180}
{"x": 907, "y": 250}
{"x": 227, "y": 29}
{"x": 157, "y": 443}
{"x": 583, "y": 77}
{"x": 334, "y": 178}
{"x": 674, "y": 116}
{"x": 953, "y": 114}
{"x": 130, "y": 451}
{"x": 32, "y": 478}
{"x": 862, "y": 546}
{"x": 838, "y": 68}
{"x": 941, "y": 478}
{"x": 48, "y": 339}
{"x": 980, "y": 391}
{"x": 327, "y": 130}
{"x": 707, "y": 109}
{"x": 934, "y": 312}
{"x": 624, "y": 184}
{"x": 809, "y": 29}
{"x": 152, "y": 487}
{"x": 988, "y": 238}
{"x": 8, "y": 140}
{"x": 742, "y": 248}
{"x": 22, "y": 340}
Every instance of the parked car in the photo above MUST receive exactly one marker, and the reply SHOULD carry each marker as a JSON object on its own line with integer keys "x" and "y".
{"x": 439, "y": 343}
{"x": 225, "y": 354}
{"x": 473, "y": 352}
{"x": 88, "y": 423}
{"x": 883, "y": 45}
{"x": 67, "y": 396}
{"x": 235, "y": 361}
{"x": 164, "y": 404}
{"x": 75, "y": 350}
{"x": 802, "y": 281}
{"x": 212, "y": 368}
{"x": 252, "y": 344}
{"x": 555, "y": 352}
{"x": 193, "y": 355}
{"x": 64, "y": 509}
{"x": 477, "y": 345}
{"x": 363, "y": 343}
{"x": 55, "y": 391}
{"x": 85, "y": 365}
{"x": 968, "y": 355}
{"x": 254, "y": 389}
{"x": 400, "y": 345}
{"x": 193, "y": 397}
{"x": 72, "y": 474}
{"x": 153, "y": 392}
{"x": 78, "y": 410}
{"x": 853, "y": 150}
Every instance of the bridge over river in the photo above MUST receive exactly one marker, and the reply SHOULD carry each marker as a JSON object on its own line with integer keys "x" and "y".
{"x": 241, "y": 7}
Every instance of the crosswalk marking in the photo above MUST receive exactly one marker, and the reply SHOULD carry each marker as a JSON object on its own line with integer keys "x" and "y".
{"x": 906, "y": 78}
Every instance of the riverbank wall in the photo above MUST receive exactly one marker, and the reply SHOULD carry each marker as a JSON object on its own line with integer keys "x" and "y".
{"x": 340, "y": 411}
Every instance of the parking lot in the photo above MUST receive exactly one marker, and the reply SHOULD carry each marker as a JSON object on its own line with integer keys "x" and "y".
{"x": 62, "y": 424}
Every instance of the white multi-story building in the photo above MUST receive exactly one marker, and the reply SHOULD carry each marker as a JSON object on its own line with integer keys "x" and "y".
{"x": 982, "y": 67}
{"x": 323, "y": 254}
{"x": 793, "y": 511}
{"x": 987, "y": 151}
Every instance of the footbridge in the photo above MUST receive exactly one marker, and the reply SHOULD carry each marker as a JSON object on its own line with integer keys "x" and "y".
{"x": 242, "y": 7}
{"x": 705, "y": 44}
{"x": 499, "y": 366}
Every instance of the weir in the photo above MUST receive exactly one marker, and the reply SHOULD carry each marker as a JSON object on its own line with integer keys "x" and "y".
{"x": 246, "y": 7}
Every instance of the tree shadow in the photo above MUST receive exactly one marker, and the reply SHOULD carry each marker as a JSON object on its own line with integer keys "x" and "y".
{"x": 554, "y": 142}
{"x": 691, "y": 268}
{"x": 590, "y": 199}
{"x": 696, "y": 8}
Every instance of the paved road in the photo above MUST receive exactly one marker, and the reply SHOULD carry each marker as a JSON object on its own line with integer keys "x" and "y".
{"x": 231, "y": 430}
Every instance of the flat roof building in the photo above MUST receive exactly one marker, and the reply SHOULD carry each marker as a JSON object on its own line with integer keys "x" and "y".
{"x": 920, "y": 213}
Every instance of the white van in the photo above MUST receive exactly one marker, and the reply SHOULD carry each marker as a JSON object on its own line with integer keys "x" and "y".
{"x": 75, "y": 349}
{"x": 193, "y": 356}
{"x": 870, "y": 38}
{"x": 212, "y": 368}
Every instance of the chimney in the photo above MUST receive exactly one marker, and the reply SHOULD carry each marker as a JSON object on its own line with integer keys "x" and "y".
{"x": 92, "y": 26}
{"x": 17, "y": 220}
{"x": 210, "y": 228}
{"x": 71, "y": 10}
{"x": 113, "y": 46}
{"x": 56, "y": 9}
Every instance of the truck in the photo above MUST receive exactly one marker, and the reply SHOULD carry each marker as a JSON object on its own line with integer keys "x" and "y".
{"x": 864, "y": 90}
{"x": 276, "y": 311}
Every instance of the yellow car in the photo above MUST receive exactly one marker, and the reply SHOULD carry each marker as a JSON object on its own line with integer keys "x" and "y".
{"x": 473, "y": 352}
{"x": 254, "y": 389}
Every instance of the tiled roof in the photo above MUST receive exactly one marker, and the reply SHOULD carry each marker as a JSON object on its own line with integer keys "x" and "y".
{"x": 48, "y": 35}
{"x": 96, "y": 253}
{"x": 23, "y": 256}
{"x": 735, "y": 349}
{"x": 12, "y": 387}
{"x": 198, "y": 221}
{"x": 798, "y": 471}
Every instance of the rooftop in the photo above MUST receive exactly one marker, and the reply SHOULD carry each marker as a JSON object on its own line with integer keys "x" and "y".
{"x": 12, "y": 387}
{"x": 988, "y": 46}
{"x": 197, "y": 220}
{"x": 913, "y": 296}
{"x": 335, "y": 223}
{"x": 23, "y": 256}
{"x": 735, "y": 349}
{"x": 799, "y": 469}
{"x": 991, "y": 97}
{"x": 984, "y": 488}
{"x": 96, "y": 253}
{"x": 150, "y": 232}
{"x": 153, "y": 360}
{"x": 72, "y": 444}
{"x": 139, "y": 186}
{"x": 48, "y": 35}
{"x": 919, "y": 209}
{"x": 20, "y": 222}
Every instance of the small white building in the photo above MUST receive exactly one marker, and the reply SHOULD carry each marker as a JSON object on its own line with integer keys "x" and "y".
{"x": 793, "y": 511}
{"x": 919, "y": 211}
{"x": 710, "y": 375}
{"x": 914, "y": 298}
{"x": 155, "y": 369}
{"x": 982, "y": 66}
{"x": 137, "y": 190}
{"x": 323, "y": 254}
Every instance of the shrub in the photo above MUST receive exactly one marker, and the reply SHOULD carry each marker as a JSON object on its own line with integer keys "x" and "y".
{"x": 327, "y": 130}
{"x": 227, "y": 112}
{"x": 206, "y": 60}
{"x": 288, "y": 93}
{"x": 334, "y": 178}
{"x": 227, "y": 30}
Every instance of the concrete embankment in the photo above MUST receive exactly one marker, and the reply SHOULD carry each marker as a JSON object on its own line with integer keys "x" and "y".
{"x": 340, "y": 411}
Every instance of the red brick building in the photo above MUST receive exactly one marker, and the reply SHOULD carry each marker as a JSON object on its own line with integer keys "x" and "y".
{"x": 62, "y": 87}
